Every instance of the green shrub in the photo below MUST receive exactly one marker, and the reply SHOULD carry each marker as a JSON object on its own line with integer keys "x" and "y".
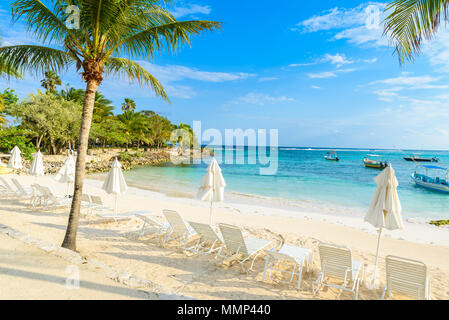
{"x": 125, "y": 157}
{"x": 11, "y": 137}
{"x": 139, "y": 154}
{"x": 440, "y": 223}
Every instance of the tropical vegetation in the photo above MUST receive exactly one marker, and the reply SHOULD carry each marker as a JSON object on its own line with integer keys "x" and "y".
{"x": 111, "y": 33}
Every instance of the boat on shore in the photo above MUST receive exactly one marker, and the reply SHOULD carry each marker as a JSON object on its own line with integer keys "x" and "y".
{"x": 374, "y": 161}
{"x": 433, "y": 183}
{"x": 332, "y": 156}
{"x": 417, "y": 158}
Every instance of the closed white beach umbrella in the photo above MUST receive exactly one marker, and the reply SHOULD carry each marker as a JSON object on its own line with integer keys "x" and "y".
{"x": 15, "y": 161}
{"x": 115, "y": 182}
{"x": 212, "y": 186}
{"x": 385, "y": 208}
{"x": 37, "y": 166}
{"x": 67, "y": 172}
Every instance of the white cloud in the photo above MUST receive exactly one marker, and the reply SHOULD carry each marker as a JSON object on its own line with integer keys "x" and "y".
{"x": 179, "y": 12}
{"x": 437, "y": 50}
{"x": 339, "y": 59}
{"x": 329, "y": 74}
{"x": 392, "y": 89}
{"x": 265, "y": 79}
{"x": 294, "y": 65}
{"x": 322, "y": 75}
{"x": 417, "y": 82}
{"x": 169, "y": 75}
{"x": 370, "y": 61}
{"x": 262, "y": 99}
{"x": 359, "y": 25}
{"x": 316, "y": 87}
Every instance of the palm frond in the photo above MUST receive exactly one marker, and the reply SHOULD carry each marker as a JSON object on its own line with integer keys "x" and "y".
{"x": 125, "y": 68}
{"x": 413, "y": 21}
{"x": 45, "y": 24}
{"x": 9, "y": 71}
{"x": 35, "y": 59}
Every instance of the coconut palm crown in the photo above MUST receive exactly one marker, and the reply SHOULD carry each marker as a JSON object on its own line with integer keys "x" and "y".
{"x": 111, "y": 33}
{"x": 410, "y": 22}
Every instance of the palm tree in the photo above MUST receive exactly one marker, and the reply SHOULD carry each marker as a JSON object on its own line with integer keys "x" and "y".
{"x": 103, "y": 107}
{"x": 72, "y": 94}
{"x": 50, "y": 81}
{"x": 413, "y": 21}
{"x": 129, "y": 105}
{"x": 111, "y": 33}
{"x": 137, "y": 127}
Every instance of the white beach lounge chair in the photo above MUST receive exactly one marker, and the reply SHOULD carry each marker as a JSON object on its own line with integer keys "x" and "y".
{"x": 242, "y": 249}
{"x": 289, "y": 259}
{"x": 208, "y": 241}
{"x": 97, "y": 205}
{"x": 151, "y": 226}
{"x": 7, "y": 191}
{"x": 22, "y": 192}
{"x": 177, "y": 229}
{"x": 89, "y": 205}
{"x": 338, "y": 270}
{"x": 407, "y": 278}
{"x": 86, "y": 202}
{"x": 52, "y": 201}
{"x": 37, "y": 199}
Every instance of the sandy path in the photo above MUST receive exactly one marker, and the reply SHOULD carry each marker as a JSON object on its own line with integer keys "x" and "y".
{"x": 27, "y": 272}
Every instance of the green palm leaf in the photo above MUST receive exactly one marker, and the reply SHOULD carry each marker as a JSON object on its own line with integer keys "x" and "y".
{"x": 36, "y": 59}
{"x": 413, "y": 21}
{"x": 125, "y": 68}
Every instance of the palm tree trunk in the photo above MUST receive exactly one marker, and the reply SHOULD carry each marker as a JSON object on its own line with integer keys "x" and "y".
{"x": 72, "y": 227}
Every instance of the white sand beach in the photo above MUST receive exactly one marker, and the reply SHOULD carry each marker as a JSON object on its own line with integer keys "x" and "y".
{"x": 117, "y": 245}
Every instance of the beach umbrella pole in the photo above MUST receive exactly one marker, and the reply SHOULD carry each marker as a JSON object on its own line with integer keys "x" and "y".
{"x": 115, "y": 207}
{"x": 210, "y": 213}
{"x": 377, "y": 257}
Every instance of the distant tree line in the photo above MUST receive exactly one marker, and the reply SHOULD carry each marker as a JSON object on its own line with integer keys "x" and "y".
{"x": 50, "y": 120}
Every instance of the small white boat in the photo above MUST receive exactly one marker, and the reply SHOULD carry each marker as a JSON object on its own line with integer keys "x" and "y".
{"x": 433, "y": 183}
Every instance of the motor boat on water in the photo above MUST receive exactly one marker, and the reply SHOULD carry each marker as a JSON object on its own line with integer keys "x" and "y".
{"x": 417, "y": 158}
{"x": 437, "y": 183}
{"x": 374, "y": 161}
{"x": 332, "y": 156}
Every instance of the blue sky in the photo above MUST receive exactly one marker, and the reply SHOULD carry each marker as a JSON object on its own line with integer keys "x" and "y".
{"x": 314, "y": 70}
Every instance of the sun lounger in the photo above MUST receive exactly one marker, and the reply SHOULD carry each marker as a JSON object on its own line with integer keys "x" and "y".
{"x": 37, "y": 198}
{"x": 152, "y": 226}
{"x": 337, "y": 265}
{"x": 86, "y": 202}
{"x": 97, "y": 205}
{"x": 406, "y": 277}
{"x": 290, "y": 260}
{"x": 7, "y": 191}
{"x": 52, "y": 201}
{"x": 177, "y": 230}
{"x": 242, "y": 249}
{"x": 208, "y": 242}
{"x": 22, "y": 192}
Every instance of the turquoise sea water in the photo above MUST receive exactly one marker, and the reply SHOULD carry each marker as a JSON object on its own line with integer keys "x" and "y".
{"x": 304, "y": 175}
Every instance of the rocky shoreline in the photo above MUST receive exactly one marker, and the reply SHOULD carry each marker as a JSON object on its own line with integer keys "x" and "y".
{"x": 98, "y": 162}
